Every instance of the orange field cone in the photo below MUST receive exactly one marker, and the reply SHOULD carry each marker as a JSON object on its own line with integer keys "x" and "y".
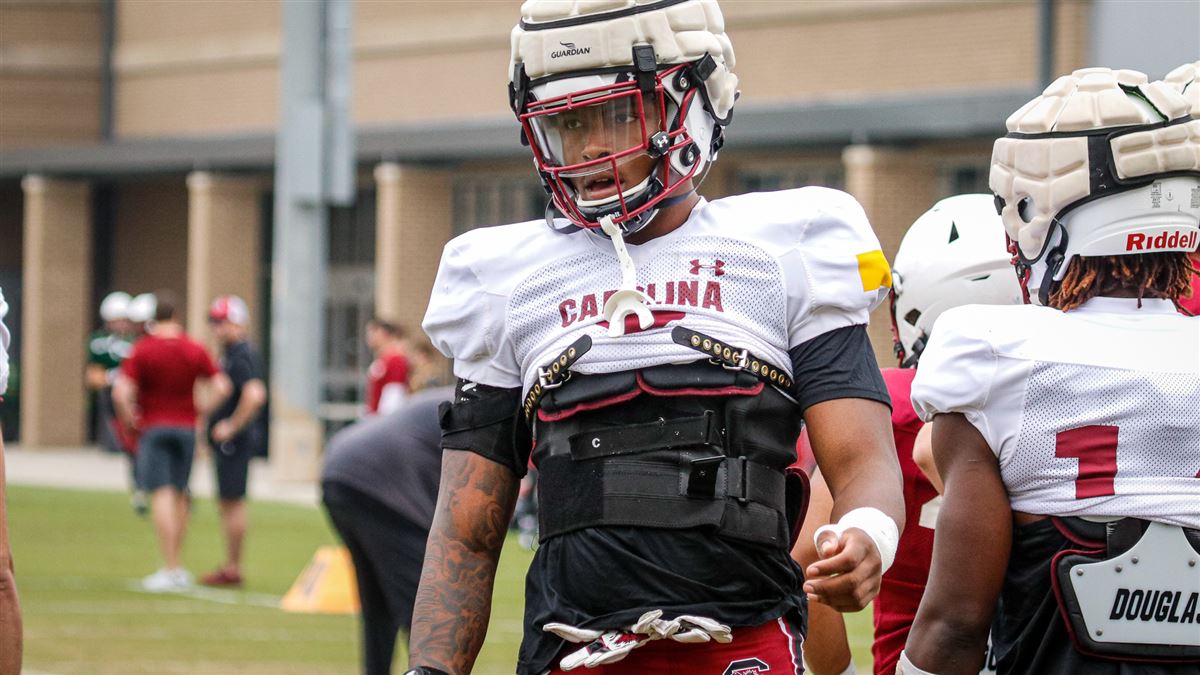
{"x": 326, "y": 586}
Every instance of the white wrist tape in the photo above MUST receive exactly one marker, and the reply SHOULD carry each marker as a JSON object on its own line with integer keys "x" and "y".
{"x": 849, "y": 670}
{"x": 906, "y": 667}
{"x": 878, "y": 525}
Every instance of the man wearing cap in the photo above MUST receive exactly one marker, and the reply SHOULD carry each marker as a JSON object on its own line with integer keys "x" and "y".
{"x": 236, "y": 431}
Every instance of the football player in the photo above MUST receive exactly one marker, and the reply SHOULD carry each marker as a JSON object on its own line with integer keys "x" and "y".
{"x": 657, "y": 352}
{"x": 952, "y": 255}
{"x": 1067, "y": 432}
{"x": 1186, "y": 80}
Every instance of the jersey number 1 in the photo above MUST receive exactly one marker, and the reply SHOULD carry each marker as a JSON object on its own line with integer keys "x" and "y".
{"x": 1095, "y": 447}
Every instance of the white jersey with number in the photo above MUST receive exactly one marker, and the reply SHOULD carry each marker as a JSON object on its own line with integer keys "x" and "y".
{"x": 763, "y": 272}
{"x": 1092, "y": 412}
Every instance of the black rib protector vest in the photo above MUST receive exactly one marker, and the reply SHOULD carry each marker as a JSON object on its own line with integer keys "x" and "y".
{"x": 671, "y": 447}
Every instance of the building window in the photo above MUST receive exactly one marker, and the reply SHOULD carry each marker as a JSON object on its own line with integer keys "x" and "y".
{"x": 349, "y": 303}
{"x": 963, "y": 178}
{"x": 481, "y": 201}
{"x": 775, "y": 177}
{"x": 352, "y": 231}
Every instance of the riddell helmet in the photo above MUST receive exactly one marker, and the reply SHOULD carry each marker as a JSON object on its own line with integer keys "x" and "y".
{"x": 954, "y": 254}
{"x": 115, "y": 306}
{"x": 645, "y": 79}
{"x": 1102, "y": 163}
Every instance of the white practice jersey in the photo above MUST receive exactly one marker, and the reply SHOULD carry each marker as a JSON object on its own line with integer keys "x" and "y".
{"x": 1092, "y": 412}
{"x": 763, "y": 271}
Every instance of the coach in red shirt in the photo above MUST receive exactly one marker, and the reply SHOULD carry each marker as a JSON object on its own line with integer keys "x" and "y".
{"x": 155, "y": 395}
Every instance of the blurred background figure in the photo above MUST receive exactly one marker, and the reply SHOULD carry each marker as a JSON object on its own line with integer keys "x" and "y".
{"x": 155, "y": 395}
{"x": 427, "y": 367}
{"x": 141, "y": 313}
{"x": 107, "y": 348}
{"x": 10, "y": 609}
{"x": 236, "y": 429}
{"x": 379, "y": 486}
{"x": 388, "y": 375}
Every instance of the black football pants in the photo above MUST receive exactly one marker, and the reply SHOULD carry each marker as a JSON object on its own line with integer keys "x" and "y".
{"x": 387, "y": 551}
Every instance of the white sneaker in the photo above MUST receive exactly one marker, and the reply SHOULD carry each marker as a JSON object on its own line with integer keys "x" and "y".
{"x": 162, "y": 581}
{"x": 183, "y": 579}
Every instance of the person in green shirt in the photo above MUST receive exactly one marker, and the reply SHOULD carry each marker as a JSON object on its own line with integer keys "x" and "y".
{"x": 107, "y": 348}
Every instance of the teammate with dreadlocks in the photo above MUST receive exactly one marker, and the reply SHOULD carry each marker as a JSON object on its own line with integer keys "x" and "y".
{"x": 1068, "y": 435}
{"x": 662, "y": 350}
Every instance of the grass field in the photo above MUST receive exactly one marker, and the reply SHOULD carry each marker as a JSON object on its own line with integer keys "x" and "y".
{"x": 79, "y": 556}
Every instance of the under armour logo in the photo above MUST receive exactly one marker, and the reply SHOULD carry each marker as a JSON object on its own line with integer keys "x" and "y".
{"x": 747, "y": 667}
{"x": 718, "y": 267}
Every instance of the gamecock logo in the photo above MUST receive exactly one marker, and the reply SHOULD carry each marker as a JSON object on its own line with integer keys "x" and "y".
{"x": 746, "y": 667}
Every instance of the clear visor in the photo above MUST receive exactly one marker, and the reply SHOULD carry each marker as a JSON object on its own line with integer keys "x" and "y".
{"x": 583, "y": 138}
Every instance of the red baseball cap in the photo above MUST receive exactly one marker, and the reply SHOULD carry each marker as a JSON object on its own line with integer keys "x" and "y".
{"x": 229, "y": 308}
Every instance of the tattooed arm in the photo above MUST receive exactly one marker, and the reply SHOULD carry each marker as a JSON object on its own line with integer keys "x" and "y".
{"x": 450, "y": 617}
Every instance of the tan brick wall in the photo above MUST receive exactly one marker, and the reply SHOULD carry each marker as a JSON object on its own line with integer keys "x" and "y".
{"x": 212, "y": 67}
{"x": 785, "y": 50}
{"x": 50, "y": 57}
{"x": 431, "y": 59}
{"x": 1072, "y": 18}
{"x": 223, "y": 247}
{"x": 413, "y": 222}
{"x": 150, "y": 238}
{"x": 57, "y": 298}
{"x": 196, "y": 67}
{"x": 790, "y": 51}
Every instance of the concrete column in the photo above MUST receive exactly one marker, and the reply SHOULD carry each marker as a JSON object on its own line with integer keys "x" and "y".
{"x": 223, "y": 247}
{"x": 413, "y": 220}
{"x": 895, "y": 186}
{"x": 57, "y": 301}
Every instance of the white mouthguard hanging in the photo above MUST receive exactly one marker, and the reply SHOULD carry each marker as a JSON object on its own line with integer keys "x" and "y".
{"x": 628, "y": 299}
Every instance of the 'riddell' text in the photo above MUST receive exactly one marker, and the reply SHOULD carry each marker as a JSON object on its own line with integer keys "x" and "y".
{"x": 1175, "y": 240}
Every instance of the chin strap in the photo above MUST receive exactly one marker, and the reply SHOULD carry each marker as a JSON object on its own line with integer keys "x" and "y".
{"x": 672, "y": 201}
{"x": 628, "y": 299}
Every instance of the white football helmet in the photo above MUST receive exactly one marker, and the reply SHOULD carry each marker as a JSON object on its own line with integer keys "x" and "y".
{"x": 597, "y": 84}
{"x": 141, "y": 308}
{"x": 1103, "y": 163}
{"x": 115, "y": 306}
{"x": 954, "y": 254}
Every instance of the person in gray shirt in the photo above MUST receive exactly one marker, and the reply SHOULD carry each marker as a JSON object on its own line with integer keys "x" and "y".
{"x": 379, "y": 486}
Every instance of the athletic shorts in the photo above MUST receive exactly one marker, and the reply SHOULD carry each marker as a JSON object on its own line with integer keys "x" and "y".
{"x": 165, "y": 457}
{"x": 774, "y": 648}
{"x": 231, "y": 460}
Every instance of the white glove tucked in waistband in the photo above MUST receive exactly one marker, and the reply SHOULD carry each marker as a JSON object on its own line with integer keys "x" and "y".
{"x": 610, "y": 646}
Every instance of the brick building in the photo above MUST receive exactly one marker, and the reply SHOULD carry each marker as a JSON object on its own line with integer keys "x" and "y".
{"x": 138, "y": 144}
